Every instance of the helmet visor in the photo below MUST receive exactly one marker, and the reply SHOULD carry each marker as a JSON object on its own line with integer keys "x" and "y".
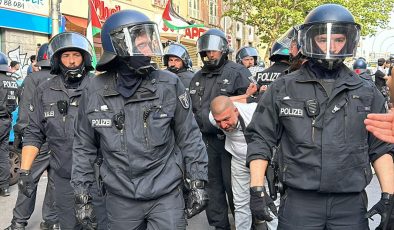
{"x": 68, "y": 41}
{"x": 177, "y": 51}
{"x": 329, "y": 41}
{"x": 211, "y": 43}
{"x": 137, "y": 40}
{"x": 248, "y": 52}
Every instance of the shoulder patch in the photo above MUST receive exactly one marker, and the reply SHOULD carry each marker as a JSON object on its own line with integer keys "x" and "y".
{"x": 184, "y": 99}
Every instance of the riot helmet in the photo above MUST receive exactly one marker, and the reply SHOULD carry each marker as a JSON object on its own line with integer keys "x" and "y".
{"x": 213, "y": 40}
{"x": 42, "y": 56}
{"x": 247, "y": 51}
{"x": 131, "y": 37}
{"x": 179, "y": 51}
{"x": 3, "y": 63}
{"x": 359, "y": 66}
{"x": 280, "y": 51}
{"x": 70, "y": 41}
{"x": 329, "y": 35}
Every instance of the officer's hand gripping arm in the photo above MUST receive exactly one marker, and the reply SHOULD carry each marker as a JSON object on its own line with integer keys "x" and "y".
{"x": 197, "y": 199}
{"x": 84, "y": 211}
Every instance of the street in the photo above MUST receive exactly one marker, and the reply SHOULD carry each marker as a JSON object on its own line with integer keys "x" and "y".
{"x": 199, "y": 222}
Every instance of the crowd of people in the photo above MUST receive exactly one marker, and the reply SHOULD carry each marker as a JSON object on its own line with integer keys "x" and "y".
{"x": 137, "y": 147}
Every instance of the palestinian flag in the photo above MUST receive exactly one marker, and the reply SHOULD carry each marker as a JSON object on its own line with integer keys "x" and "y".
{"x": 94, "y": 27}
{"x": 174, "y": 21}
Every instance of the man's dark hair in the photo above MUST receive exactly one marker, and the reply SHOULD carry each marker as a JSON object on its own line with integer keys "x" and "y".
{"x": 14, "y": 63}
{"x": 33, "y": 57}
{"x": 381, "y": 61}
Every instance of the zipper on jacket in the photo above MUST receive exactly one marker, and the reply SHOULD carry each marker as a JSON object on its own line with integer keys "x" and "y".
{"x": 346, "y": 121}
{"x": 145, "y": 122}
{"x": 313, "y": 128}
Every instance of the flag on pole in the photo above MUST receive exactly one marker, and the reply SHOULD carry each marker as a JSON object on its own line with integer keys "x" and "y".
{"x": 175, "y": 21}
{"x": 94, "y": 27}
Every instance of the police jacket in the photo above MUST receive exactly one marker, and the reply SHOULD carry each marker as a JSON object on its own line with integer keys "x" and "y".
{"x": 323, "y": 143}
{"x": 29, "y": 85}
{"x": 142, "y": 152}
{"x": 8, "y": 96}
{"x": 230, "y": 79}
{"x": 185, "y": 76}
{"x": 270, "y": 74}
{"x": 51, "y": 118}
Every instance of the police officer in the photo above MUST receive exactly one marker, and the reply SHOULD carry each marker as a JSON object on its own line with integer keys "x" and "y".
{"x": 315, "y": 115}
{"x": 8, "y": 102}
{"x": 360, "y": 68}
{"x": 178, "y": 61}
{"x": 248, "y": 56}
{"x": 280, "y": 56}
{"x": 141, "y": 120}
{"x": 52, "y": 115}
{"x": 24, "y": 205}
{"x": 218, "y": 76}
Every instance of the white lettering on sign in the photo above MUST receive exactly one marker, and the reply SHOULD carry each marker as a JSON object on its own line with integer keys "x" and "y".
{"x": 291, "y": 112}
{"x": 39, "y": 7}
{"x": 101, "y": 122}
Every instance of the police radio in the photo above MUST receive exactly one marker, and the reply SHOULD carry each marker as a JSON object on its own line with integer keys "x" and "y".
{"x": 119, "y": 120}
{"x": 312, "y": 107}
{"x": 62, "y": 106}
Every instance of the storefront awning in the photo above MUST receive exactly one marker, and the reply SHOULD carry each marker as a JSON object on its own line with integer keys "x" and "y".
{"x": 80, "y": 22}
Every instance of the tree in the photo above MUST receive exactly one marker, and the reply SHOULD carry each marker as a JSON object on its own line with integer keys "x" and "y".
{"x": 273, "y": 17}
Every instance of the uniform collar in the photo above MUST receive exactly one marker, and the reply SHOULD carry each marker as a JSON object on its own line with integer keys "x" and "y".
{"x": 147, "y": 83}
{"x": 345, "y": 76}
{"x": 57, "y": 83}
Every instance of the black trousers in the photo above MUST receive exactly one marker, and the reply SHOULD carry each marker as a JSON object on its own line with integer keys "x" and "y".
{"x": 310, "y": 210}
{"x": 219, "y": 183}
{"x": 65, "y": 204}
{"x": 164, "y": 213}
{"x": 24, "y": 205}
{"x": 5, "y": 128}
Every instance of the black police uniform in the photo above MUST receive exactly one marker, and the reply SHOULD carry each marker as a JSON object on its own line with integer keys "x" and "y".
{"x": 54, "y": 109}
{"x": 149, "y": 142}
{"x": 8, "y": 102}
{"x": 324, "y": 149}
{"x": 230, "y": 79}
{"x": 24, "y": 205}
{"x": 185, "y": 76}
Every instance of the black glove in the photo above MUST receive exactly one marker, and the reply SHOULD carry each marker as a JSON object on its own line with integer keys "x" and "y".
{"x": 17, "y": 142}
{"x": 384, "y": 208}
{"x": 26, "y": 183}
{"x": 197, "y": 199}
{"x": 84, "y": 211}
{"x": 260, "y": 202}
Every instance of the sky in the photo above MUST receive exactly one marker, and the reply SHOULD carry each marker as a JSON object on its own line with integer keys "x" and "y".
{"x": 382, "y": 42}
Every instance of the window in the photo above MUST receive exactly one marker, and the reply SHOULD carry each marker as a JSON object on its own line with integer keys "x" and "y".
{"x": 194, "y": 7}
{"x": 213, "y": 11}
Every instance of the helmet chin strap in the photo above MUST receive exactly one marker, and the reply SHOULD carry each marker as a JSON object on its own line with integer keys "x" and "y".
{"x": 173, "y": 69}
{"x": 72, "y": 75}
{"x": 139, "y": 65}
{"x": 330, "y": 64}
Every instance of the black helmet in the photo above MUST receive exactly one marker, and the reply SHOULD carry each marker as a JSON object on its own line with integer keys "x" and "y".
{"x": 360, "y": 64}
{"x": 69, "y": 41}
{"x": 42, "y": 56}
{"x": 179, "y": 51}
{"x": 118, "y": 36}
{"x": 213, "y": 40}
{"x": 279, "y": 51}
{"x": 3, "y": 63}
{"x": 329, "y": 20}
{"x": 247, "y": 51}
